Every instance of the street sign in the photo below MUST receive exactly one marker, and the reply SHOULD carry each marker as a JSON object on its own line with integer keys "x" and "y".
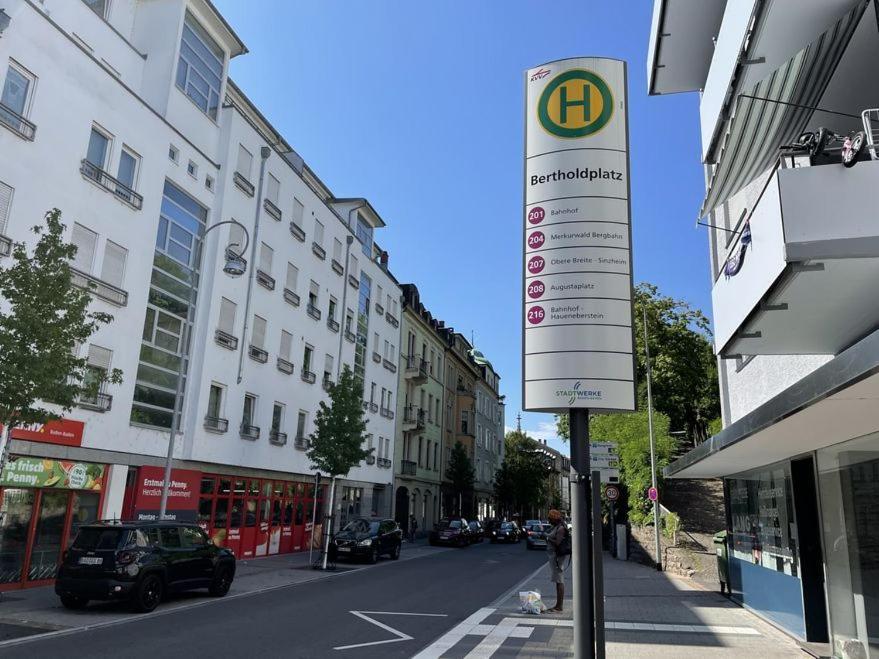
{"x": 604, "y": 462}
{"x": 577, "y": 267}
{"x": 653, "y": 494}
{"x": 602, "y": 447}
{"x": 612, "y": 492}
{"x": 609, "y": 475}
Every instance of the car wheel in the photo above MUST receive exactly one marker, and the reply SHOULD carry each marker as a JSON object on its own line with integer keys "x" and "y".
{"x": 222, "y": 581}
{"x": 73, "y": 602}
{"x": 395, "y": 552}
{"x": 148, "y": 594}
{"x": 373, "y": 556}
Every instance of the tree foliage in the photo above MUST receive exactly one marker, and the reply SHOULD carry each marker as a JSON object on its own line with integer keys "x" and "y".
{"x": 521, "y": 484}
{"x": 336, "y": 445}
{"x": 44, "y": 319}
{"x": 460, "y": 473}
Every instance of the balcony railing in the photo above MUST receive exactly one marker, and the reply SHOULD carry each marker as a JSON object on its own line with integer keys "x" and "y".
{"x": 373, "y": 407}
{"x": 258, "y": 354}
{"x": 465, "y": 391}
{"x": 370, "y": 459}
{"x": 407, "y": 467}
{"x": 297, "y": 231}
{"x": 96, "y": 287}
{"x": 318, "y": 251}
{"x": 277, "y": 437}
{"x": 387, "y": 412}
{"x": 416, "y": 369}
{"x": 272, "y": 209}
{"x": 365, "y": 405}
{"x": 226, "y": 340}
{"x": 413, "y": 417}
{"x": 308, "y": 376}
{"x": 467, "y": 429}
{"x": 285, "y": 366}
{"x": 100, "y": 177}
{"x": 353, "y": 282}
{"x": 380, "y": 310}
{"x": 243, "y": 184}
{"x": 5, "y": 245}
{"x": 385, "y": 463}
{"x": 291, "y": 297}
{"x": 313, "y": 311}
{"x": 301, "y": 442}
{"x": 16, "y": 123}
{"x": 388, "y": 364}
{"x": 333, "y": 324}
{"x": 216, "y": 424}
{"x": 249, "y": 432}
{"x": 265, "y": 280}
{"x": 350, "y": 336}
{"x": 337, "y": 267}
{"x": 326, "y": 382}
{"x": 100, "y": 402}
{"x": 392, "y": 319}
{"x": 377, "y": 358}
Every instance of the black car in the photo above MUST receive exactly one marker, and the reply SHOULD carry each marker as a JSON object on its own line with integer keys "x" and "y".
{"x": 453, "y": 531}
{"x": 367, "y": 539}
{"x": 535, "y": 535}
{"x": 477, "y": 533}
{"x": 506, "y": 532}
{"x": 141, "y": 562}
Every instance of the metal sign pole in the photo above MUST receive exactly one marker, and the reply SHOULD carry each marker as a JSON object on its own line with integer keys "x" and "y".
{"x": 597, "y": 565}
{"x": 581, "y": 560}
{"x": 613, "y": 530}
{"x": 652, "y": 442}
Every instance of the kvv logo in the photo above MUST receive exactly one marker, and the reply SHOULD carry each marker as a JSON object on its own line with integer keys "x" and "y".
{"x": 576, "y": 103}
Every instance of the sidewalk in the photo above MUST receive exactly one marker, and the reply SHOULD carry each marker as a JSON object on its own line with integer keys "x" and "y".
{"x": 37, "y": 610}
{"x": 647, "y": 614}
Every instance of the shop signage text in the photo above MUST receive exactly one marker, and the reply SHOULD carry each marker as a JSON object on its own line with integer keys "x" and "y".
{"x": 66, "y": 432}
{"x": 182, "y": 494}
{"x": 61, "y": 474}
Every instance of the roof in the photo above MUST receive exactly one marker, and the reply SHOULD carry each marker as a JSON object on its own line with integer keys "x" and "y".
{"x": 224, "y": 27}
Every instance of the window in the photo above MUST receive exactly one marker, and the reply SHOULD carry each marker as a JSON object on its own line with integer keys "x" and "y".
{"x": 100, "y": 7}
{"x": 245, "y": 162}
{"x": 258, "y": 338}
{"x": 375, "y": 340}
{"x": 5, "y": 205}
{"x": 372, "y": 393}
{"x": 215, "y": 401}
{"x": 98, "y": 149}
{"x": 318, "y": 232}
{"x": 313, "y": 292}
{"x": 200, "y": 68}
{"x": 273, "y": 189}
{"x": 306, "y": 358}
{"x": 292, "y": 277}
{"x": 249, "y": 415}
{"x": 388, "y": 307}
{"x": 435, "y": 456}
{"x": 364, "y": 235}
{"x": 227, "y": 316}
{"x": 97, "y": 366}
{"x": 113, "y": 267}
{"x": 173, "y": 154}
{"x": 432, "y": 359}
{"x": 286, "y": 345}
{"x": 328, "y": 367}
{"x": 331, "y": 311}
{"x": 209, "y": 182}
{"x": 420, "y": 448}
{"x": 349, "y": 316}
{"x": 300, "y": 423}
{"x": 266, "y": 256}
{"x": 85, "y": 241}
{"x": 128, "y": 166}
{"x": 352, "y": 266}
{"x": 277, "y": 417}
{"x": 298, "y": 210}
{"x": 16, "y": 90}
{"x": 337, "y": 250}
{"x": 387, "y": 351}
{"x": 393, "y": 352}
{"x": 430, "y": 408}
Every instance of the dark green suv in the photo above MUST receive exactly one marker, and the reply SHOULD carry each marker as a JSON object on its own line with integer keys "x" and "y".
{"x": 141, "y": 562}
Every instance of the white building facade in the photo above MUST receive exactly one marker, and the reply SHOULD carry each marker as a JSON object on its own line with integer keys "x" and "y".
{"x": 121, "y": 115}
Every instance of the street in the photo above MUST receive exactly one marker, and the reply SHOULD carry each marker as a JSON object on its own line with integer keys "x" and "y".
{"x": 311, "y": 619}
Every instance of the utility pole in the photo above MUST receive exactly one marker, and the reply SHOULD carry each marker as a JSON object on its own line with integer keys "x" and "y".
{"x": 652, "y": 442}
{"x": 581, "y": 511}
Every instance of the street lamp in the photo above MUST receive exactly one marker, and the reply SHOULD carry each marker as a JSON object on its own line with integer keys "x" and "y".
{"x": 235, "y": 265}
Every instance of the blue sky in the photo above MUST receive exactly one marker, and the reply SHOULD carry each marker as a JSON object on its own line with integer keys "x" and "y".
{"x": 419, "y": 107}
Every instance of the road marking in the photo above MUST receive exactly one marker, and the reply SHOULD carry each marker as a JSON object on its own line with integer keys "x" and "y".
{"x": 448, "y": 640}
{"x": 396, "y": 632}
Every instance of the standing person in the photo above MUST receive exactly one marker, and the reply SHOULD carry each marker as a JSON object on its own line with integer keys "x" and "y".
{"x": 413, "y": 527}
{"x": 558, "y": 552}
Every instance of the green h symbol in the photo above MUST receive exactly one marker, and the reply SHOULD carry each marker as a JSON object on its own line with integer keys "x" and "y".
{"x": 564, "y": 103}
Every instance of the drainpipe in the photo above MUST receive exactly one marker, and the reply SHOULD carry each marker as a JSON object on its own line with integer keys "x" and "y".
{"x": 349, "y": 241}
{"x": 264, "y": 155}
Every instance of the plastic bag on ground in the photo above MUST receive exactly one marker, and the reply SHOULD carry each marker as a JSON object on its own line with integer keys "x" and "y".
{"x": 530, "y": 602}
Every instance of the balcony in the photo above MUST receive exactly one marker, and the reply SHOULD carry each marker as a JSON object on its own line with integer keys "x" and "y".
{"x": 95, "y": 286}
{"x": 413, "y": 419}
{"x": 327, "y": 382}
{"x": 313, "y": 311}
{"x": 297, "y": 231}
{"x": 101, "y": 178}
{"x": 272, "y": 209}
{"x": 243, "y": 184}
{"x": 319, "y": 251}
{"x": 258, "y": 354}
{"x": 392, "y": 319}
{"x": 350, "y": 336}
{"x": 467, "y": 429}
{"x": 380, "y": 310}
{"x": 333, "y": 325}
{"x": 377, "y": 358}
{"x": 806, "y": 282}
{"x": 16, "y": 123}
{"x": 370, "y": 459}
{"x": 249, "y": 432}
{"x": 277, "y": 437}
{"x": 265, "y": 280}
{"x": 301, "y": 443}
{"x": 308, "y": 376}
{"x": 387, "y": 412}
{"x": 365, "y": 405}
{"x": 226, "y": 340}
{"x": 337, "y": 267}
{"x": 416, "y": 369}
{"x": 353, "y": 282}
{"x": 216, "y": 424}
{"x": 285, "y": 366}
{"x": 464, "y": 391}
{"x": 407, "y": 468}
{"x": 373, "y": 407}
{"x": 100, "y": 402}
{"x": 291, "y": 297}
{"x": 388, "y": 364}
{"x": 385, "y": 463}
{"x": 5, "y": 245}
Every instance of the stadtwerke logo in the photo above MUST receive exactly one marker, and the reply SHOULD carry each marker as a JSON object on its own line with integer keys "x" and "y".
{"x": 577, "y": 392}
{"x": 576, "y": 103}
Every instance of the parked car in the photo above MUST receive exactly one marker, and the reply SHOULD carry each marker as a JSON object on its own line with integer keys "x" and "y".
{"x": 507, "y": 532}
{"x": 367, "y": 539}
{"x": 535, "y": 535}
{"x": 141, "y": 562}
{"x": 451, "y": 531}
{"x": 532, "y": 522}
{"x": 477, "y": 533}
{"x": 490, "y": 524}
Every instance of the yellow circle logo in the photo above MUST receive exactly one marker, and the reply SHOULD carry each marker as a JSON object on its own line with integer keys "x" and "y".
{"x": 574, "y": 104}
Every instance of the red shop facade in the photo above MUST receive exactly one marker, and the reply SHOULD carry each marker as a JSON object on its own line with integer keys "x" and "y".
{"x": 251, "y": 516}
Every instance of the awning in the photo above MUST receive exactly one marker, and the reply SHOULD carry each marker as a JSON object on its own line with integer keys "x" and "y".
{"x": 761, "y": 121}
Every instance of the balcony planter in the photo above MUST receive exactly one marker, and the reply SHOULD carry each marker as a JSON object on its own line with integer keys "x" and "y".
{"x": 370, "y": 459}
{"x": 379, "y": 309}
{"x": 272, "y": 209}
{"x": 226, "y": 340}
{"x": 301, "y": 443}
{"x": 216, "y": 424}
{"x": 407, "y": 467}
{"x": 243, "y": 184}
{"x": 326, "y": 383}
{"x": 313, "y": 311}
{"x": 285, "y": 366}
{"x": 265, "y": 280}
{"x": 350, "y": 336}
{"x": 308, "y": 376}
{"x": 277, "y": 438}
{"x": 297, "y": 231}
{"x": 258, "y": 354}
{"x": 319, "y": 251}
{"x": 95, "y": 286}
{"x": 5, "y": 245}
{"x": 388, "y": 364}
{"x": 249, "y": 432}
{"x": 337, "y": 267}
{"x": 353, "y": 282}
{"x": 392, "y": 319}
{"x": 100, "y": 402}
{"x": 333, "y": 324}
{"x": 291, "y": 297}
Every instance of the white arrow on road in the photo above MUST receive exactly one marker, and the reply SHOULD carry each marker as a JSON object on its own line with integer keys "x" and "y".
{"x": 400, "y": 636}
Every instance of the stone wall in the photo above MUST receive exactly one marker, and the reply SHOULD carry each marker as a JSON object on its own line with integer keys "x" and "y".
{"x": 692, "y": 556}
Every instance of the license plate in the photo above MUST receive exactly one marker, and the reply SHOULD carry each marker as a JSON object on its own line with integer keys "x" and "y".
{"x": 91, "y": 560}
{"x": 344, "y": 549}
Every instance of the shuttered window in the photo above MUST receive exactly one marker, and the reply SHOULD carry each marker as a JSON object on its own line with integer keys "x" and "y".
{"x": 5, "y": 205}
{"x": 337, "y": 250}
{"x": 266, "y": 255}
{"x": 328, "y": 365}
{"x": 85, "y": 241}
{"x": 292, "y": 277}
{"x": 227, "y": 316}
{"x": 113, "y": 268}
{"x": 298, "y": 210}
{"x": 286, "y": 345}
{"x": 259, "y": 332}
{"x": 318, "y": 233}
{"x": 236, "y": 238}
{"x": 100, "y": 357}
{"x": 245, "y": 160}
{"x": 273, "y": 190}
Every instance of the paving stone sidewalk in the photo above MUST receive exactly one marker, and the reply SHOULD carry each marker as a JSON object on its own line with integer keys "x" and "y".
{"x": 647, "y": 614}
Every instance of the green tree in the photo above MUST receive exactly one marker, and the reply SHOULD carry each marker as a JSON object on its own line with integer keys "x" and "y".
{"x": 460, "y": 473}
{"x": 44, "y": 319}
{"x": 522, "y": 484}
{"x": 336, "y": 445}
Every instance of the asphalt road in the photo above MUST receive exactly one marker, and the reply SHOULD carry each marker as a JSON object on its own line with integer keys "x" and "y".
{"x": 311, "y": 619}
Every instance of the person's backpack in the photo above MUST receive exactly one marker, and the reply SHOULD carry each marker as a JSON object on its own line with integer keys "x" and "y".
{"x": 565, "y": 548}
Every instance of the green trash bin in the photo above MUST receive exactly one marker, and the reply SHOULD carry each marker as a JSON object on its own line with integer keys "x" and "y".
{"x": 721, "y": 550}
